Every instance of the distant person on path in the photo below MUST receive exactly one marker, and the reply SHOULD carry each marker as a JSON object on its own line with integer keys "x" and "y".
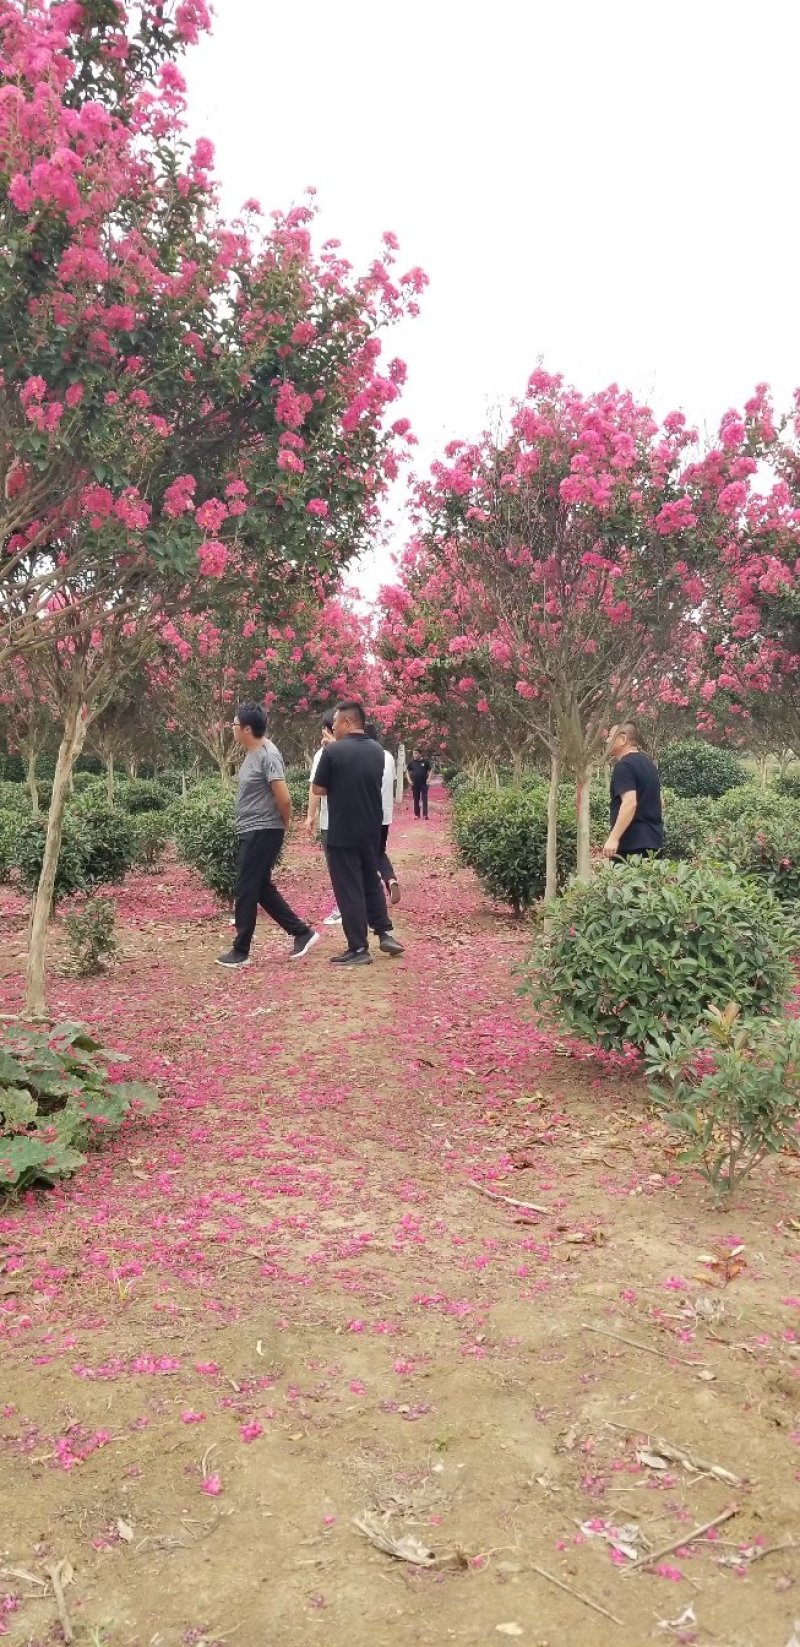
{"x": 317, "y": 817}
{"x": 419, "y": 771}
{"x": 263, "y": 813}
{"x": 637, "y": 821}
{"x": 350, "y": 777}
{"x": 387, "y": 873}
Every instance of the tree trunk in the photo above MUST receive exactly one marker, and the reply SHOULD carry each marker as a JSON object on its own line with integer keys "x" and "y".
{"x": 551, "y": 875}
{"x": 583, "y": 790}
{"x": 69, "y": 750}
{"x": 30, "y": 779}
{"x": 110, "y": 778}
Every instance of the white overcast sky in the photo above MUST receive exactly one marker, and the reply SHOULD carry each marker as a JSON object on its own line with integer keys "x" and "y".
{"x": 611, "y": 185}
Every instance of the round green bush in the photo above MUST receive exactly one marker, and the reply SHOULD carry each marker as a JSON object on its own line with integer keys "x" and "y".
{"x": 643, "y": 949}
{"x": 71, "y": 871}
{"x": 765, "y": 845}
{"x": 206, "y": 839}
{"x": 136, "y": 795}
{"x": 695, "y": 768}
{"x": 151, "y": 833}
{"x": 297, "y": 781}
{"x": 110, "y": 844}
{"x": 14, "y": 797}
{"x": 12, "y": 768}
{"x": 84, "y": 783}
{"x": 686, "y": 825}
{"x": 11, "y": 824}
{"x": 789, "y": 784}
{"x": 501, "y": 834}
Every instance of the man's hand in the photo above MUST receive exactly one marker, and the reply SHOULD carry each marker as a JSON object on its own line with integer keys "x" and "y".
{"x": 611, "y": 848}
{"x": 311, "y": 825}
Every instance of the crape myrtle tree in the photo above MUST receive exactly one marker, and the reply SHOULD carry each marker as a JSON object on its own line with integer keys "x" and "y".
{"x": 209, "y": 661}
{"x": 568, "y": 560}
{"x": 184, "y": 403}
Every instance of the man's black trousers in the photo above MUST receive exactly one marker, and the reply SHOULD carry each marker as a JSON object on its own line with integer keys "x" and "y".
{"x": 420, "y": 791}
{"x": 259, "y": 851}
{"x": 361, "y": 901}
{"x": 385, "y": 865}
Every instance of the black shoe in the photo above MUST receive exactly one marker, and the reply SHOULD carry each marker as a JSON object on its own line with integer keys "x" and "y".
{"x": 391, "y": 945}
{"x": 232, "y": 957}
{"x": 301, "y": 946}
{"x": 394, "y": 891}
{"x": 352, "y": 957}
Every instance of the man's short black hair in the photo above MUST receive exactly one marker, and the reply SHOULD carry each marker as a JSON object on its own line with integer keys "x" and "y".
{"x": 354, "y": 711}
{"x": 254, "y": 716}
{"x": 327, "y": 721}
{"x": 371, "y": 731}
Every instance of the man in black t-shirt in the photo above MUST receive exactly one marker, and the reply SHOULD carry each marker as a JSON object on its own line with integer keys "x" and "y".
{"x": 637, "y": 822}
{"x": 350, "y": 776}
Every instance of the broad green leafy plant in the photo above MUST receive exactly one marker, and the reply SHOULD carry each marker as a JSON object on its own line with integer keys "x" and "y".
{"x": 205, "y": 836}
{"x": 643, "y": 949}
{"x": 90, "y": 935}
{"x": 731, "y": 1089}
{"x": 57, "y": 1100}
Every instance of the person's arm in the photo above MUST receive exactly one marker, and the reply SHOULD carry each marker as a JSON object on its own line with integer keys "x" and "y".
{"x": 312, "y": 815}
{"x": 625, "y": 817}
{"x": 283, "y": 800}
{"x": 322, "y": 774}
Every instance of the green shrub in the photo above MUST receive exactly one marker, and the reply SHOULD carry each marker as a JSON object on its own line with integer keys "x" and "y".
{"x": 14, "y": 797}
{"x": 84, "y": 783}
{"x": 644, "y": 948}
{"x": 765, "y": 847}
{"x": 97, "y": 848}
{"x": 297, "y": 781}
{"x": 686, "y": 825}
{"x": 12, "y": 768}
{"x": 694, "y": 768}
{"x": 10, "y": 829}
{"x": 501, "y": 834}
{"x": 731, "y": 1089}
{"x": 137, "y": 795}
{"x": 44, "y": 789}
{"x": 151, "y": 832}
{"x": 789, "y": 784}
{"x": 71, "y": 871}
{"x": 57, "y": 1100}
{"x": 206, "y": 838}
{"x": 751, "y": 801}
{"x": 90, "y": 935}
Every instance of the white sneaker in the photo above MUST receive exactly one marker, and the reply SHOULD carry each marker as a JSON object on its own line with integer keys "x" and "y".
{"x": 334, "y": 919}
{"x": 301, "y": 946}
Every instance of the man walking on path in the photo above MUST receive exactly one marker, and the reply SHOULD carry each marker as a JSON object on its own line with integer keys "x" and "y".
{"x": 317, "y": 816}
{"x": 419, "y": 771}
{"x": 637, "y": 822}
{"x": 263, "y": 812}
{"x": 350, "y": 777}
{"x": 385, "y": 867}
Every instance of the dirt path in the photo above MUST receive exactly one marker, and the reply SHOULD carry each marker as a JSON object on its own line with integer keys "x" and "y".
{"x": 284, "y": 1304}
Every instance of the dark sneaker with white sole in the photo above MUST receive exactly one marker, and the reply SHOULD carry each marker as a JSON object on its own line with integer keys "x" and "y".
{"x": 233, "y": 958}
{"x": 391, "y": 945}
{"x": 301, "y": 946}
{"x": 352, "y": 957}
{"x": 394, "y": 891}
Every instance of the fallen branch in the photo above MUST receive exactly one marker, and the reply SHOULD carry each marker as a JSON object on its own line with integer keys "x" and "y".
{"x": 528, "y": 1206}
{"x": 679, "y": 1455}
{"x": 579, "y": 1595}
{"x": 772, "y": 1549}
{"x": 54, "y": 1575}
{"x": 684, "y": 1540}
{"x": 633, "y": 1344}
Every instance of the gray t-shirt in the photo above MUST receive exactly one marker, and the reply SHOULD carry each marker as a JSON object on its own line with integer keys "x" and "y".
{"x": 256, "y": 807}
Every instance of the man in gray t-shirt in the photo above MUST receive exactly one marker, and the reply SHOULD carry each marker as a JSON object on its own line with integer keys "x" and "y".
{"x": 263, "y": 813}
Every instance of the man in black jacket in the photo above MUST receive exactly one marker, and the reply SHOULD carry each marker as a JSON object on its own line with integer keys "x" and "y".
{"x": 350, "y": 776}
{"x": 419, "y": 772}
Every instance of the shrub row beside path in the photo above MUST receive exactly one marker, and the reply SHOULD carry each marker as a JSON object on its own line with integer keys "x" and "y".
{"x": 291, "y": 1298}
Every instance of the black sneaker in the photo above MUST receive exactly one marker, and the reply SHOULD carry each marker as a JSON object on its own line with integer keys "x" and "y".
{"x": 301, "y": 946}
{"x": 232, "y": 957}
{"x": 394, "y": 891}
{"x": 391, "y": 945}
{"x": 351, "y": 957}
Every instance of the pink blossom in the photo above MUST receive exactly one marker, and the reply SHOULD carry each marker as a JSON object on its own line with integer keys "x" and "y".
{"x": 251, "y": 1431}
{"x": 212, "y": 1484}
{"x": 317, "y": 506}
{"x": 213, "y": 557}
